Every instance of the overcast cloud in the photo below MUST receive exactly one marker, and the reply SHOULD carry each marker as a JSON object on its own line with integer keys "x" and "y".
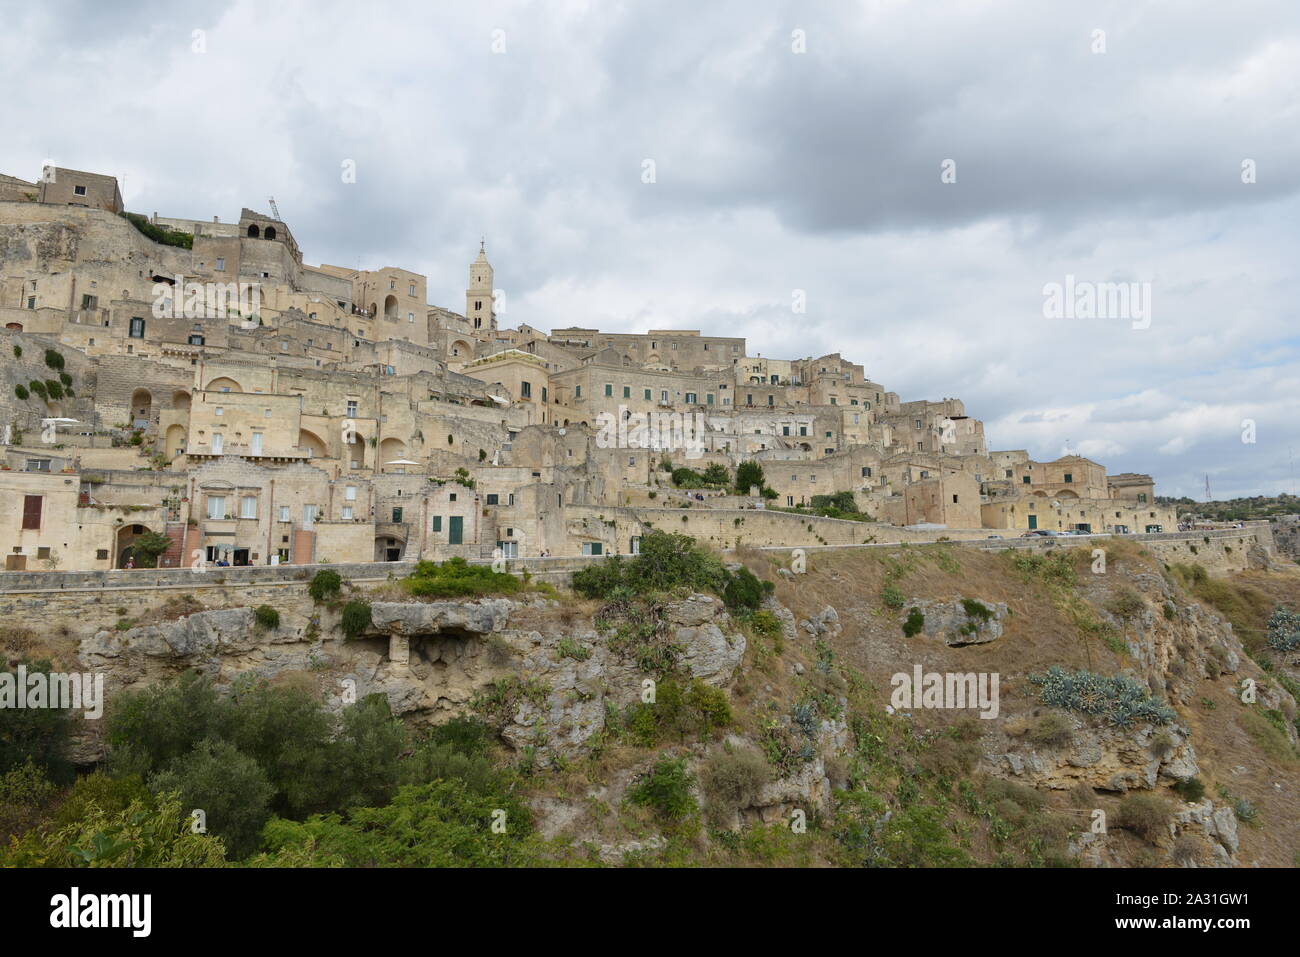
{"x": 775, "y": 171}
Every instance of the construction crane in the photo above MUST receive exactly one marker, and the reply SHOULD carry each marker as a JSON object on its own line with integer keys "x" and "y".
{"x": 275, "y": 210}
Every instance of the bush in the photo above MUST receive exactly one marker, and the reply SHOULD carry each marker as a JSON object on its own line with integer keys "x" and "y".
{"x": 35, "y": 735}
{"x": 748, "y": 475}
{"x": 915, "y": 622}
{"x": 148, "y": 547}
{"x": 167, "y": 237}
{"x": 665, "y": 789}
{"x": 20, "y": 390}
{"x": 65, "y": 379}
{"x": 18, "y": 352}
{"x": 1051, "y": 731}
{"x": 457, "y": 577}
{"x": 54, "y": 388}
{"x": 24, "y": 792}
{"x": 744, "y": 591}
{"x": 267, "y": 617}
{"x": 356, "y": 618}
{"x": 892, "y": 597}
{"x": 667, "y": 562}
{"x": 1126, "y": 604}
{"x": 53, "y": 359}
{"x": 229, "y": 787}
{"x": 1120, "y": 699}
{"x": 1190, "y": 790}
{"x": 1146, "y": 815}
{"x": 325, "y": 584}
{"x": 38, "y": 388}
{"x": 731, "y": 781}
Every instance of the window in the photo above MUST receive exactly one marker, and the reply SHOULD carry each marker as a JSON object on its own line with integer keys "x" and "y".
{"x": 218, "y": 443}
{"x": 255, "y": 447}
{"x": 221, "y": 264}
{"x": 647, "y": 395}
{"x": 350, "y": 493}
{"x": 543, "y": 393}
{"x": 397, "y": 513}
{"x": 79, "y": 190}
{"x": 690, "y": 398}
{"x": 609, "y": 389}
{"x": 437, "y": 523}
{"x": 347, "y": 513}
{"x": 1024, "y": 480}
{"x": 248, "y": 506}
{"x": 493, "y": 498}
{"x": 38, "y": 465}
{"x": 32, "y": 511}
{"x": 577, "y": 392}
{"x": 220, "y": 411}
{"x": 284, "y": 513}
{"x": 137, "y": 328}
{"x": 451, "y": 497}
{"x": 101, "y": 553}
{"x": 954, "y": 500}
{"x": 308, "y": 516}
{"x": 627, "y": 392}
{"x": 352, "y": 408}
{"x": 216, "y": 506}
{"x": 1069, "y": 477}
{"x": 31, "y": 302}
{"x": 593, "y": 548}
{"x": 866, "y": 471}
{"x": 196, "y": 340}
{"x": 410, "y": 290}
{"x": 708, "y": 398}
{"x": 636, "y": 544}
{"x": 526, "y": 390}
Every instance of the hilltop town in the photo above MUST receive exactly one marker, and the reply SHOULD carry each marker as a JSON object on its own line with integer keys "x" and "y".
{"x": 180, "y": 392}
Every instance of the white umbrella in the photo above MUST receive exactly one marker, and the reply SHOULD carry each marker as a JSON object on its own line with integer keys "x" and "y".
{"x": 401, "y": 462}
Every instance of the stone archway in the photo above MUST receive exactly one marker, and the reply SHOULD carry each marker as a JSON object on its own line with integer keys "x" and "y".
{"x": 254, "y": 232}
{"x": 270, "y": 233}
{"x": 181, "y": 401}
{"x": 390, "y": 306}
{"x": 124, "y": 545}
{"x": 175, "y": 441}
{"x": 141, "y": 408}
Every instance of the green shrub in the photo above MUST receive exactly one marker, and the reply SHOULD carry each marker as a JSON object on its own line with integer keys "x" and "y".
{"x": 665, "y": 789}
{"x": 1051, "y": 731}
{"x": 38, "y": 388}
{"x": 54, "y": 359}
{"x": 55, "y": 388}
{"x": 167, "y": 237}
{"x": 568, "y": 648}
{"x": 65, "y": 379}
{"x": 1120, "y": 699}
{"x": 1126, "y": 603}
{"x": 24, "y": 792}
{"x": 18, "y": 352}
{"x": 891, "y": 596}
{"x": 35, "y": 735}
{"x": 148, "y": 546}
{"x": 1146, "y": 815}
{"x": 20, "y": 390}
{"x": 267, "y": 617}
{"x": 744, "y": 591}
{"x": 732, "y": 780}
{"x": 227, "y": 786}
{"x": 457, "y": 577}
{"x": 914, "y": 623}
{"x": 325, "y": 584}
{"x": 1190, "y": 790}
{"x": 667, "y": 562}
{"x": 356, "y": 618}
{"x": 748, "y": 475}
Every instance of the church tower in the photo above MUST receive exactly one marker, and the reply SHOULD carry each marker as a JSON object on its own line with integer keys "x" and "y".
{"x": 478, "y": 297}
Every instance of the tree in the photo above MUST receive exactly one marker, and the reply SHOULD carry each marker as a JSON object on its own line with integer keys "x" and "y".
{"x": 748, "y": 475}
{"x": 36, "y": 734}
{"x": 149, "y": 546}
{"x": 228, "y": 787}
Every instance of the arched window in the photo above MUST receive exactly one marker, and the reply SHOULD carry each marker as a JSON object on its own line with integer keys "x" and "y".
{"x": 253, "y": 231}
{"x": 270, "y": 233}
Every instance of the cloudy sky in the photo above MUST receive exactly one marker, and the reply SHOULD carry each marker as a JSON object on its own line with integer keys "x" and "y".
{"x": 794, "y": 149}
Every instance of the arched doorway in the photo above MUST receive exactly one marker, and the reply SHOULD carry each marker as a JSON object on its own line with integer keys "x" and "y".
{"x": 270, "y": 233}
{"x": 141, "y": 408}
{"x": 355, "y": 452}
{"x": 390, "y": 306}
{"x": 389, "y": 547}
{"x": 254, "y": 232}
{"x": 124, "y": 548}
{"x": 16, "y": 326}
{"x": 391, "y": 449}
{"x": 175, "y": 442}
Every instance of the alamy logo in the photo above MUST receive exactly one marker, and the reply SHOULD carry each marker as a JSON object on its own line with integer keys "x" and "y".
{"x": 659, "y": 431}
{"x": 55, "y": 689}
{"x": 946, "y": 691}
{"x": 1081, "y": 299}
{"x": 206, "y": 300}
{"x": 103, "y": 910}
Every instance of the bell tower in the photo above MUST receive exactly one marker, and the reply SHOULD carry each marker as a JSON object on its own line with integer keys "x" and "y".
{"x": 478, "y": 297}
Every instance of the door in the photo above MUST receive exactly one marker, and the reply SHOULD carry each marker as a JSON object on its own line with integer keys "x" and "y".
{"x": 456, "y": 530}
{"x": 1033, "y": 522}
